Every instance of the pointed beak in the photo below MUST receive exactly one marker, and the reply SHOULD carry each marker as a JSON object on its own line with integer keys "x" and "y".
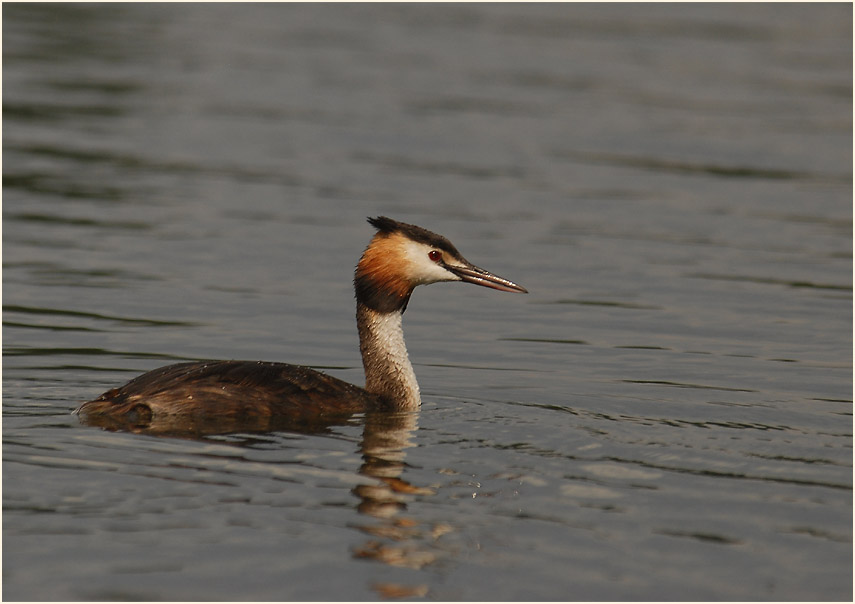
{"x": 472, "y": 274}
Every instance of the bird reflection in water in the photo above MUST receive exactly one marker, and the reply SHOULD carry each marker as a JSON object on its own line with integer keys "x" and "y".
{"x": 397, "y": 540}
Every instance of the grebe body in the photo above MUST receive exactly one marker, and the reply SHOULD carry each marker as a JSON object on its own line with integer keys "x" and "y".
{"x": 260, "y": 395}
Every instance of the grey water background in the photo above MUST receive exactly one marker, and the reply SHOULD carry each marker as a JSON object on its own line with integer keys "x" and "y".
{"x": 667, "y": 415}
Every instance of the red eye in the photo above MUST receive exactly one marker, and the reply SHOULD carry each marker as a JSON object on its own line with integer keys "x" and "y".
{"x": 435, "y": 255}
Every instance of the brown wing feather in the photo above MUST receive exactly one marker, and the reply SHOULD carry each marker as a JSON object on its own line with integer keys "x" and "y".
{"x": 226, "y": 396}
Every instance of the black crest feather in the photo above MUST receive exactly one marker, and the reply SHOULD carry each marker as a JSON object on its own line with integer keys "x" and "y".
{"x": 384, "y": 224}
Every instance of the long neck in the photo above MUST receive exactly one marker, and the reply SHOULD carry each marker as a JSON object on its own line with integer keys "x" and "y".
{"x": 388, "y": 371}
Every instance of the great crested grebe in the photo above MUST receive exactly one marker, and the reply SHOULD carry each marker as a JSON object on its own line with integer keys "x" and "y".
{"x": 399, "y": 257}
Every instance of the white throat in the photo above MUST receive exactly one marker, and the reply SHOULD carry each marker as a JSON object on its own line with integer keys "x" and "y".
{"x": 388, "y": 371}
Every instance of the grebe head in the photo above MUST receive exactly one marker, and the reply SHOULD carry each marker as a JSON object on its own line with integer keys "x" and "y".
{"x": 402, "y": 256}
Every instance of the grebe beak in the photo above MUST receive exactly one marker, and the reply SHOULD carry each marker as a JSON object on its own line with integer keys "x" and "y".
{"x": 472, "y": 274}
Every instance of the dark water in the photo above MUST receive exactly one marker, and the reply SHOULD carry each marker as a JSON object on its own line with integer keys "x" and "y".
{"x": 668, "y": 414}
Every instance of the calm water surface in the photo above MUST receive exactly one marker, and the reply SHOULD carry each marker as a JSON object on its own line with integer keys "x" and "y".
{"x": 666, "y": 416}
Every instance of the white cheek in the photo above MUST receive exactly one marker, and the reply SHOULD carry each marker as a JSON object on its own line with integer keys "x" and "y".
{"x": 421, "y": 270}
